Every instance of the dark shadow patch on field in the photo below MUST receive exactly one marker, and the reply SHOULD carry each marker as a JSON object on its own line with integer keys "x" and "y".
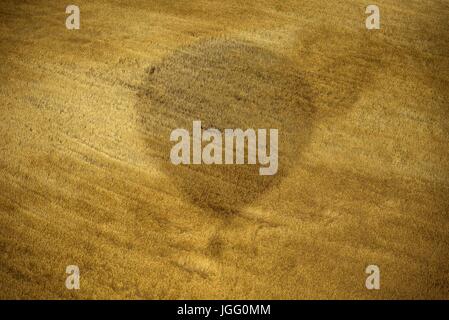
{"x": 225, "y": 84}
{"x": 236, "y": 84}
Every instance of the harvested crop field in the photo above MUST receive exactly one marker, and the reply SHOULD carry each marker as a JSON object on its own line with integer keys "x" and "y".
{"x": 86, "y": 178}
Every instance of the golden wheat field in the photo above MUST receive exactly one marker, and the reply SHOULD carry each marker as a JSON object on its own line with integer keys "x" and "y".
{"x": 85, "y": 178}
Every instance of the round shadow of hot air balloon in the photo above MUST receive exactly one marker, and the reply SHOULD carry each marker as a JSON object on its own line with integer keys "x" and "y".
{"x": 225, "y": 84}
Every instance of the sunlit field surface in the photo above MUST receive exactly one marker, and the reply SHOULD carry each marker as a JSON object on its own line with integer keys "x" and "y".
{"x": 85, "y": 176}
